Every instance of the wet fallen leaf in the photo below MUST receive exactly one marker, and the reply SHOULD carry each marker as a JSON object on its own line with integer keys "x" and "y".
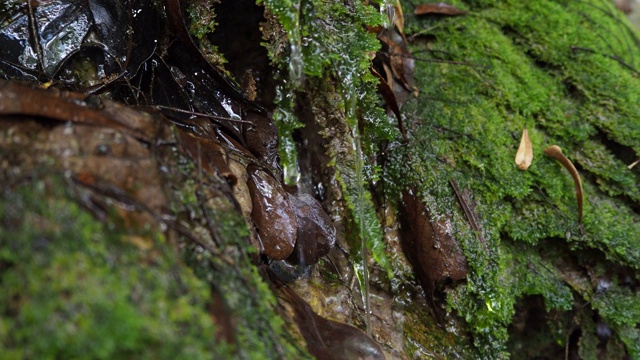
{"x": 61, "y": 33}
{"x": 429, "y": 244}
{"x": 395, "y": 68}
{"x": 208, "y": 154}
{"x": 556, "y": 152}
{"x": 439, "y": 9}
{"x": 74, "y": 107}
{"x": 316, "y": 233}
{"x": 524, "y": 156}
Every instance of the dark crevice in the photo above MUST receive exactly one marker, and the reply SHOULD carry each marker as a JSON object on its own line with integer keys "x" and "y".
{"x": 573, "y": 90}
{"x": 534, "y": 325}
{"x": 530, "y": 334}
{"x": 312, "y": 154}
{"x": 624, "y": 153}
{"x": 590, "y": 262}
{"x": 587, "y": 176}
{"x": 510, "y": 32}
{"x": 243, "y": 50}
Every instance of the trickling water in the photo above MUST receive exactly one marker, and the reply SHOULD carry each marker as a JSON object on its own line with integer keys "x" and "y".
{"x": 388, "y": 10}
{"x": 290, "y": 167}
{"x": 288, "y": 13}
{"x": 296, "y": 63}
{"x": 349, "y": 91}
{"x": 287, "y": 122}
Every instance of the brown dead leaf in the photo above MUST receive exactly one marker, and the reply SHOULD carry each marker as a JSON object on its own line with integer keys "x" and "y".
{"x": 272, "y": 213}
{"x": 398, "y": 57}
{"x": 524, "y": 156}
{"x": 208, "y": 154}
{"x": 429, "y": 244}
{"x": 398, "y": 20}
{"x": 438, "y": 9}
{"x": 73, "y": 107}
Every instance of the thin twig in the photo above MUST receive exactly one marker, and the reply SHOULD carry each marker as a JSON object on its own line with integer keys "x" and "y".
{"x": 612, "y": 57}
{"x": 33, "y": 25}
{"x": 439, "y": 61}
{"x": 471, "y": 217}
{"x": 215, "y": 117}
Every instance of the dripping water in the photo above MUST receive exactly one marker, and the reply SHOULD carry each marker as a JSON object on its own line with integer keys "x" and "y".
{"x": 296, "y": 63}
{"x": 350, "y": 112}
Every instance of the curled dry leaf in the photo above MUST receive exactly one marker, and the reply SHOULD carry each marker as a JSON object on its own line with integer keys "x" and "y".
{"x": 556, "y": 152}
{"x": 524, "y": 156}
{"x": 439, "y": 9}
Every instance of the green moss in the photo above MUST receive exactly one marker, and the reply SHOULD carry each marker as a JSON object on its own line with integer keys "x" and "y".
{"x": 559, "y": 67}
{"x": 337, "y": 50}
{"x": 230, "y": 270}
{"x": 202, "y": 21}
{"x": 425, "y": 339}
{"x": 630, "y": 336}
{"x": 203, "y": 18}
{"x": 74, "y": 287}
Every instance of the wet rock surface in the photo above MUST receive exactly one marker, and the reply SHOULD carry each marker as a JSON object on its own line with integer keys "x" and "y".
{"x": 316, "y": 234}
{"x": 331, "y": 340}
{"x": 272, "y": 214}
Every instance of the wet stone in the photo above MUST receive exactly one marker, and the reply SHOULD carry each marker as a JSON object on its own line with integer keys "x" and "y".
{"x": 272, "y": 214}
{"x": 316, "y": 233}
{"x": 261, "y": 138}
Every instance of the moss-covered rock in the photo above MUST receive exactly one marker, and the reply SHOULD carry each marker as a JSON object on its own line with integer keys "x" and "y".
{"x": 79, "y": 278}
{"x": 567, "y": 71}
{"x": 72, "y": 286}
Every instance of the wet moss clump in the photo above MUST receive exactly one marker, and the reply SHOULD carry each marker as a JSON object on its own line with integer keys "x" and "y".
{"x": 72, "y": 286}
{"x": 202, "y": 18}
{"x": 328, "y": 54}
{"x": 224, "y": 257}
